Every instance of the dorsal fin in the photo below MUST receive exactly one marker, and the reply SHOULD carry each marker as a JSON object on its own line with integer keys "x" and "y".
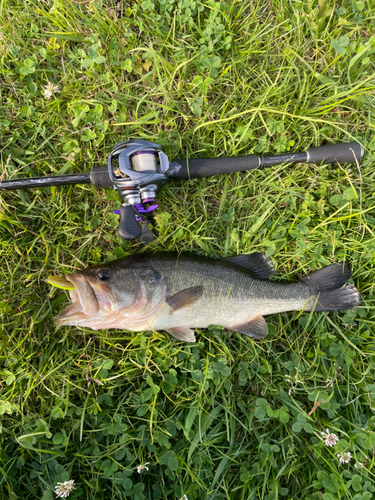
{"x": 257, "y": 263}
{"x": 185, "y": 297}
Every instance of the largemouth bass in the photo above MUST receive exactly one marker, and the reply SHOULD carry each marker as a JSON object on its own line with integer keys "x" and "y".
{"x": 177, "y": 293}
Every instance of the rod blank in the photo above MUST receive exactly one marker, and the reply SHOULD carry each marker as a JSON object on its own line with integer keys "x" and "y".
{"x": 57, "y": 180}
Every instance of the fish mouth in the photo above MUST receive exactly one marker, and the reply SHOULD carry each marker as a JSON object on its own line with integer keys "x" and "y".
{"x": 87, "y": 301}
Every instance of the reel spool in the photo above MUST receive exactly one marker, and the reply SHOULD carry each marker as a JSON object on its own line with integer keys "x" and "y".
{"x": 144, "y": 161}
{"x": 137, "y": 169}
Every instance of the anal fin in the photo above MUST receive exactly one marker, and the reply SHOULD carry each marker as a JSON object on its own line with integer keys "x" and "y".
{"x": 185, "y": 297}
{"x": 182, "y": 333}
{"x": 256, "y": 328}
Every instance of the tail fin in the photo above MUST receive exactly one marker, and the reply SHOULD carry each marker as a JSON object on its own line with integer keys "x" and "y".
{"x": 327, "y": 290}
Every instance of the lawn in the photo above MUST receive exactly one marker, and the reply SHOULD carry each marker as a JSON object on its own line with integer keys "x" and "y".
{"x": 143, "y": 416}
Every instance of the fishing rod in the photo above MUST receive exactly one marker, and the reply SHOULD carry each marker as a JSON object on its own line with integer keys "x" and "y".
{"x": 138, "y": 168}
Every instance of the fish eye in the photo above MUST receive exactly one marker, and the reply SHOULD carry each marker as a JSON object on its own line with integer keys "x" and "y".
{"x": 104, "y": 274}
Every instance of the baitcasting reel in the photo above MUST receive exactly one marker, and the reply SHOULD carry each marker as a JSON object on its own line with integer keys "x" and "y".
{"x": 138, "y": 168}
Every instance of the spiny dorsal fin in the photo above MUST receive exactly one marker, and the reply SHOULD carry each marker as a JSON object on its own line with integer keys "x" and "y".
{"x": 185, "y": 297}
{"x": 256, "y": 328}
{"x": 182, "y": 333}
{"x": 257, "y": 263}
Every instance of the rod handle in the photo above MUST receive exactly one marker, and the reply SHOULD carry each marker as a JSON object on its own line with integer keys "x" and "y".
{"x": 206, "y": 167}
{"x": 345, "y": 152}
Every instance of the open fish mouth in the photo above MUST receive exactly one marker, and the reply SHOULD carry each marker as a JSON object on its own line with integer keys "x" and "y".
{"x": 85, "y": 303}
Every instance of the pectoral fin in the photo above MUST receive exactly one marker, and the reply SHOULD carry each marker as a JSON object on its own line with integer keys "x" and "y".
{"x": 182, "y": 333}
{"x": 185, "y": 297}
{"x": 256, "y": 328}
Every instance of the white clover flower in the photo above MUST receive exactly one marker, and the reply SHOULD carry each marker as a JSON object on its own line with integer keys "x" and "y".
{"x": 330, "y": 439}
{"x": 50, "y": 89}
{"x": 329, "y": 382}
{"x": 345, "y": 457}
{"x": 141, "y": 467}
{"x": 63, "y": 490}
{"x": 359, "y": 465}
{"x": 184, "y": 497}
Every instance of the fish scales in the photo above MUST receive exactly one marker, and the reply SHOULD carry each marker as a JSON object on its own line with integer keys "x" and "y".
{"x": 230, "y": 296}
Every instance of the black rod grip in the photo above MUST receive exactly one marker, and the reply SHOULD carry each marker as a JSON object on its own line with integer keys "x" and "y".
{"x": 206, "y": 167}
{"x": 345, "y": 152}
{"x": 99, "y": 177}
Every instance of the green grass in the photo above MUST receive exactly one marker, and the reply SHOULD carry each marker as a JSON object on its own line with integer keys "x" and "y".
{"x": 227, "y": 417}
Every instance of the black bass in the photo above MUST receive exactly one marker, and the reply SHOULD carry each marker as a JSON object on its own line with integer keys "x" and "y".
{"x": 176, "y": 293}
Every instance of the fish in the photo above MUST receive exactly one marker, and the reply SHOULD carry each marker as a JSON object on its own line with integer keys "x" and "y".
{"x": 178, "y": 293}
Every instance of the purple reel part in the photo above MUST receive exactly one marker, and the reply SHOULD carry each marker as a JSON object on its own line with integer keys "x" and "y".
{"x": 143, "y": 210}
{"x": 140, "y": 208}
{"x": 138, "y": 218}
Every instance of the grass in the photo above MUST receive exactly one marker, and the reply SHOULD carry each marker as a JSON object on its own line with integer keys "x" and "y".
{"x": 227, "y": 417}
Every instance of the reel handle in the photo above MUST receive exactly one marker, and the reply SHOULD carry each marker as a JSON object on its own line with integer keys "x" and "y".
{"x": 148, "y": 234}
{"x": 128, "y": 229}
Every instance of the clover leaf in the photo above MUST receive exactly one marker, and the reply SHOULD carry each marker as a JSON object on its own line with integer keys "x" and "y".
{"x": 340, "y": 44}
{"x": 28, "y": 67}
